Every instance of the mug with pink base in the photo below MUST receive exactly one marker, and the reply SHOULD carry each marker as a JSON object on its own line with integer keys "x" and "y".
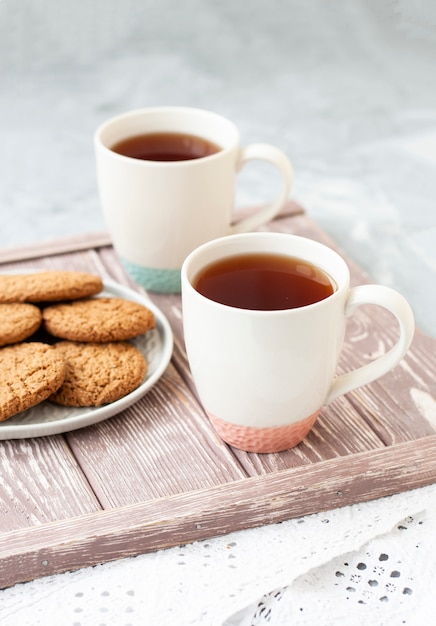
{"x": 263, "y": 373}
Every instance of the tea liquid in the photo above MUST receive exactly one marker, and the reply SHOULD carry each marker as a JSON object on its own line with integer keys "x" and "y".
{"x": 165, "y": 147}
{"x": 264, "y": 282}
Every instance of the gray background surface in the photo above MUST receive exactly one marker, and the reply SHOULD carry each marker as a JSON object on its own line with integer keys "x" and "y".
{"x": 347, "y": 89}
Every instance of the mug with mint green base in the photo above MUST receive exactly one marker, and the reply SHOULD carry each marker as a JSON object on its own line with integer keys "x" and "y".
{"x": 158, "y": 211}
{"x": 159, "y": 280}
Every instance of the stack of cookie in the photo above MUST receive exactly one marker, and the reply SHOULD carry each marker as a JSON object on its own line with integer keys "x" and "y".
{"x": 84, "y": 358}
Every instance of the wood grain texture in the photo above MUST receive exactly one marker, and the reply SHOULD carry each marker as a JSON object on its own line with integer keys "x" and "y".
{"x": 160, "y": 446}
{"x": 157, "y": 474}
{"x": 40, "y": 481}
{"x": 161, "y": 523}
{"x": 53, "y": 247}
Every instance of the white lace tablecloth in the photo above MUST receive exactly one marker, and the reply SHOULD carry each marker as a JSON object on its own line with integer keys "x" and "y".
{"x": 370, "y": 563}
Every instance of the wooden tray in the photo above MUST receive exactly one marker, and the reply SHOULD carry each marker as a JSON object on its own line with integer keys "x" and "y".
{"x": 156, "y": 475}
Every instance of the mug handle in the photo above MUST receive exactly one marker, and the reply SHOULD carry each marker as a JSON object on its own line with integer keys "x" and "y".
{"x": 278, "y": 158}
{"x": 399, "y": 307}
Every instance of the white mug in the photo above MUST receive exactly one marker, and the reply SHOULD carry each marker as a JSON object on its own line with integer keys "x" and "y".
{"x": 159, "y": 211}
{"x": 263, "y": 376}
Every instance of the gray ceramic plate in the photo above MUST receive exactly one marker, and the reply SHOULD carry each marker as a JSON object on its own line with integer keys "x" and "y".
{"x": 51, "y": 419}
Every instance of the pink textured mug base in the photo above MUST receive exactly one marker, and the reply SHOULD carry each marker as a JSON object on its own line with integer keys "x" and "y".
{"x": 262, "y": 440}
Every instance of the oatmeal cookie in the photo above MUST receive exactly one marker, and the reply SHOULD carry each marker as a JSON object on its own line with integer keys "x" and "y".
{"x": 48, "y": 286}
{"x": 98, "y": 320}
{"x": 18, "y": 321}
{"x": 29, "y": 373}
{"x": 98, "y": 373}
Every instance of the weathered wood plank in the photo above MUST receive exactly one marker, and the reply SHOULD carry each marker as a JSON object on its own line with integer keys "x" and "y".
{"x": 163, "y": 445}
{"x": 82, "y": 260}
{"x": 40, "y": 481}
{"x": 144, "y": 527}
{"x": 55, "y": 247}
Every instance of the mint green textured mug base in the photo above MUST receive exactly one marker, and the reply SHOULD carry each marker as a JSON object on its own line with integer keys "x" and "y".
{"x": 153, "y": 279}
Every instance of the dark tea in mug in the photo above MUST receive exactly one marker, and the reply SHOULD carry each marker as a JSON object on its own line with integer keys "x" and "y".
{"x": 165, "y": 146}
{"x": 264, "y": 282}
